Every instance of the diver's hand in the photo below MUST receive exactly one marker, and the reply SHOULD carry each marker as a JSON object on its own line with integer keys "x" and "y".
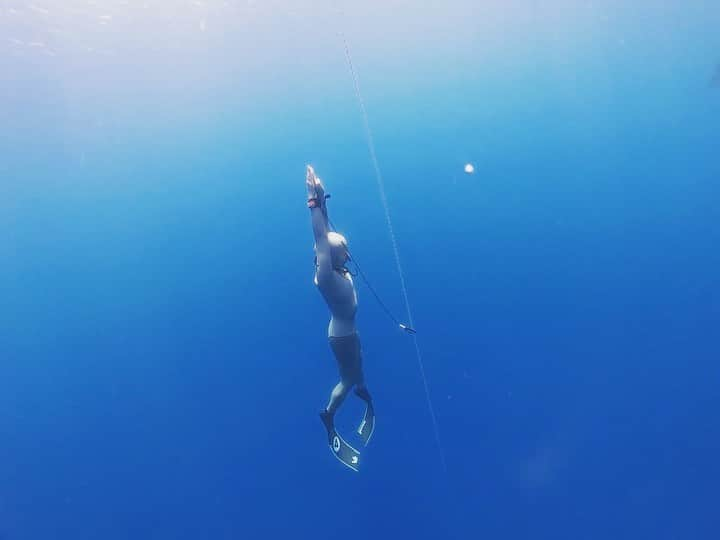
{"x": 315, "y": 188}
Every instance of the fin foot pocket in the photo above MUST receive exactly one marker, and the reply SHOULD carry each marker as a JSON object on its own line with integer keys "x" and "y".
{"x": 328, "y": 421}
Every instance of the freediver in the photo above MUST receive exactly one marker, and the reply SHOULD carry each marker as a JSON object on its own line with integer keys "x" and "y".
{"x": 335, "y": 283}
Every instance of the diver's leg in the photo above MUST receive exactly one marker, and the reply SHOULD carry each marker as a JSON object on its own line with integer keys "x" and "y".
{"x": 340, "y": 449}
{"x": 367, "y": 425}
{"x": 327, "y": 416}
{"x": 346, "y": 362}
{"x": 356, "y": 373}
{"x": 337, "y": 397}
{"x": 362, "y": 392}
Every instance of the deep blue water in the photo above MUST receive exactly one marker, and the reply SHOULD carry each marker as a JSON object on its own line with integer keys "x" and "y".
{"x": 162, "y": 347}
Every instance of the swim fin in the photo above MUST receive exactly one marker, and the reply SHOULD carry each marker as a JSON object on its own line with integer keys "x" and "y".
{"x": 367, "y": 426}
{"x": 340, "y": 449}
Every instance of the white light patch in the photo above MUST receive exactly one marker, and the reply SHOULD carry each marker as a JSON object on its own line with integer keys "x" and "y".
{"x": 469, "y": 168}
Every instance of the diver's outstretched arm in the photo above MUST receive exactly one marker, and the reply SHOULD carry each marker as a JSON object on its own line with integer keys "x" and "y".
{"x": 319, "y": 217}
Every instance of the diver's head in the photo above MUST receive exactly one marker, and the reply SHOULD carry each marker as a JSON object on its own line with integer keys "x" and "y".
{"x": 338, "y": 249}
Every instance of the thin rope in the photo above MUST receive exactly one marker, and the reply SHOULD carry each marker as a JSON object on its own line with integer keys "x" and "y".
{"x": 407, "y": 328}
{"x": 381, "y": 187}
{"x": 375, "y": 294}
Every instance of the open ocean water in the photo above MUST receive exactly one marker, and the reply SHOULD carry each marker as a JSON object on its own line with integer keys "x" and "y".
{"x": 163, "y": 351}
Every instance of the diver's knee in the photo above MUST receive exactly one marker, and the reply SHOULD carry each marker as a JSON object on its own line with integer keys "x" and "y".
{"x": 362, "y": 392}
